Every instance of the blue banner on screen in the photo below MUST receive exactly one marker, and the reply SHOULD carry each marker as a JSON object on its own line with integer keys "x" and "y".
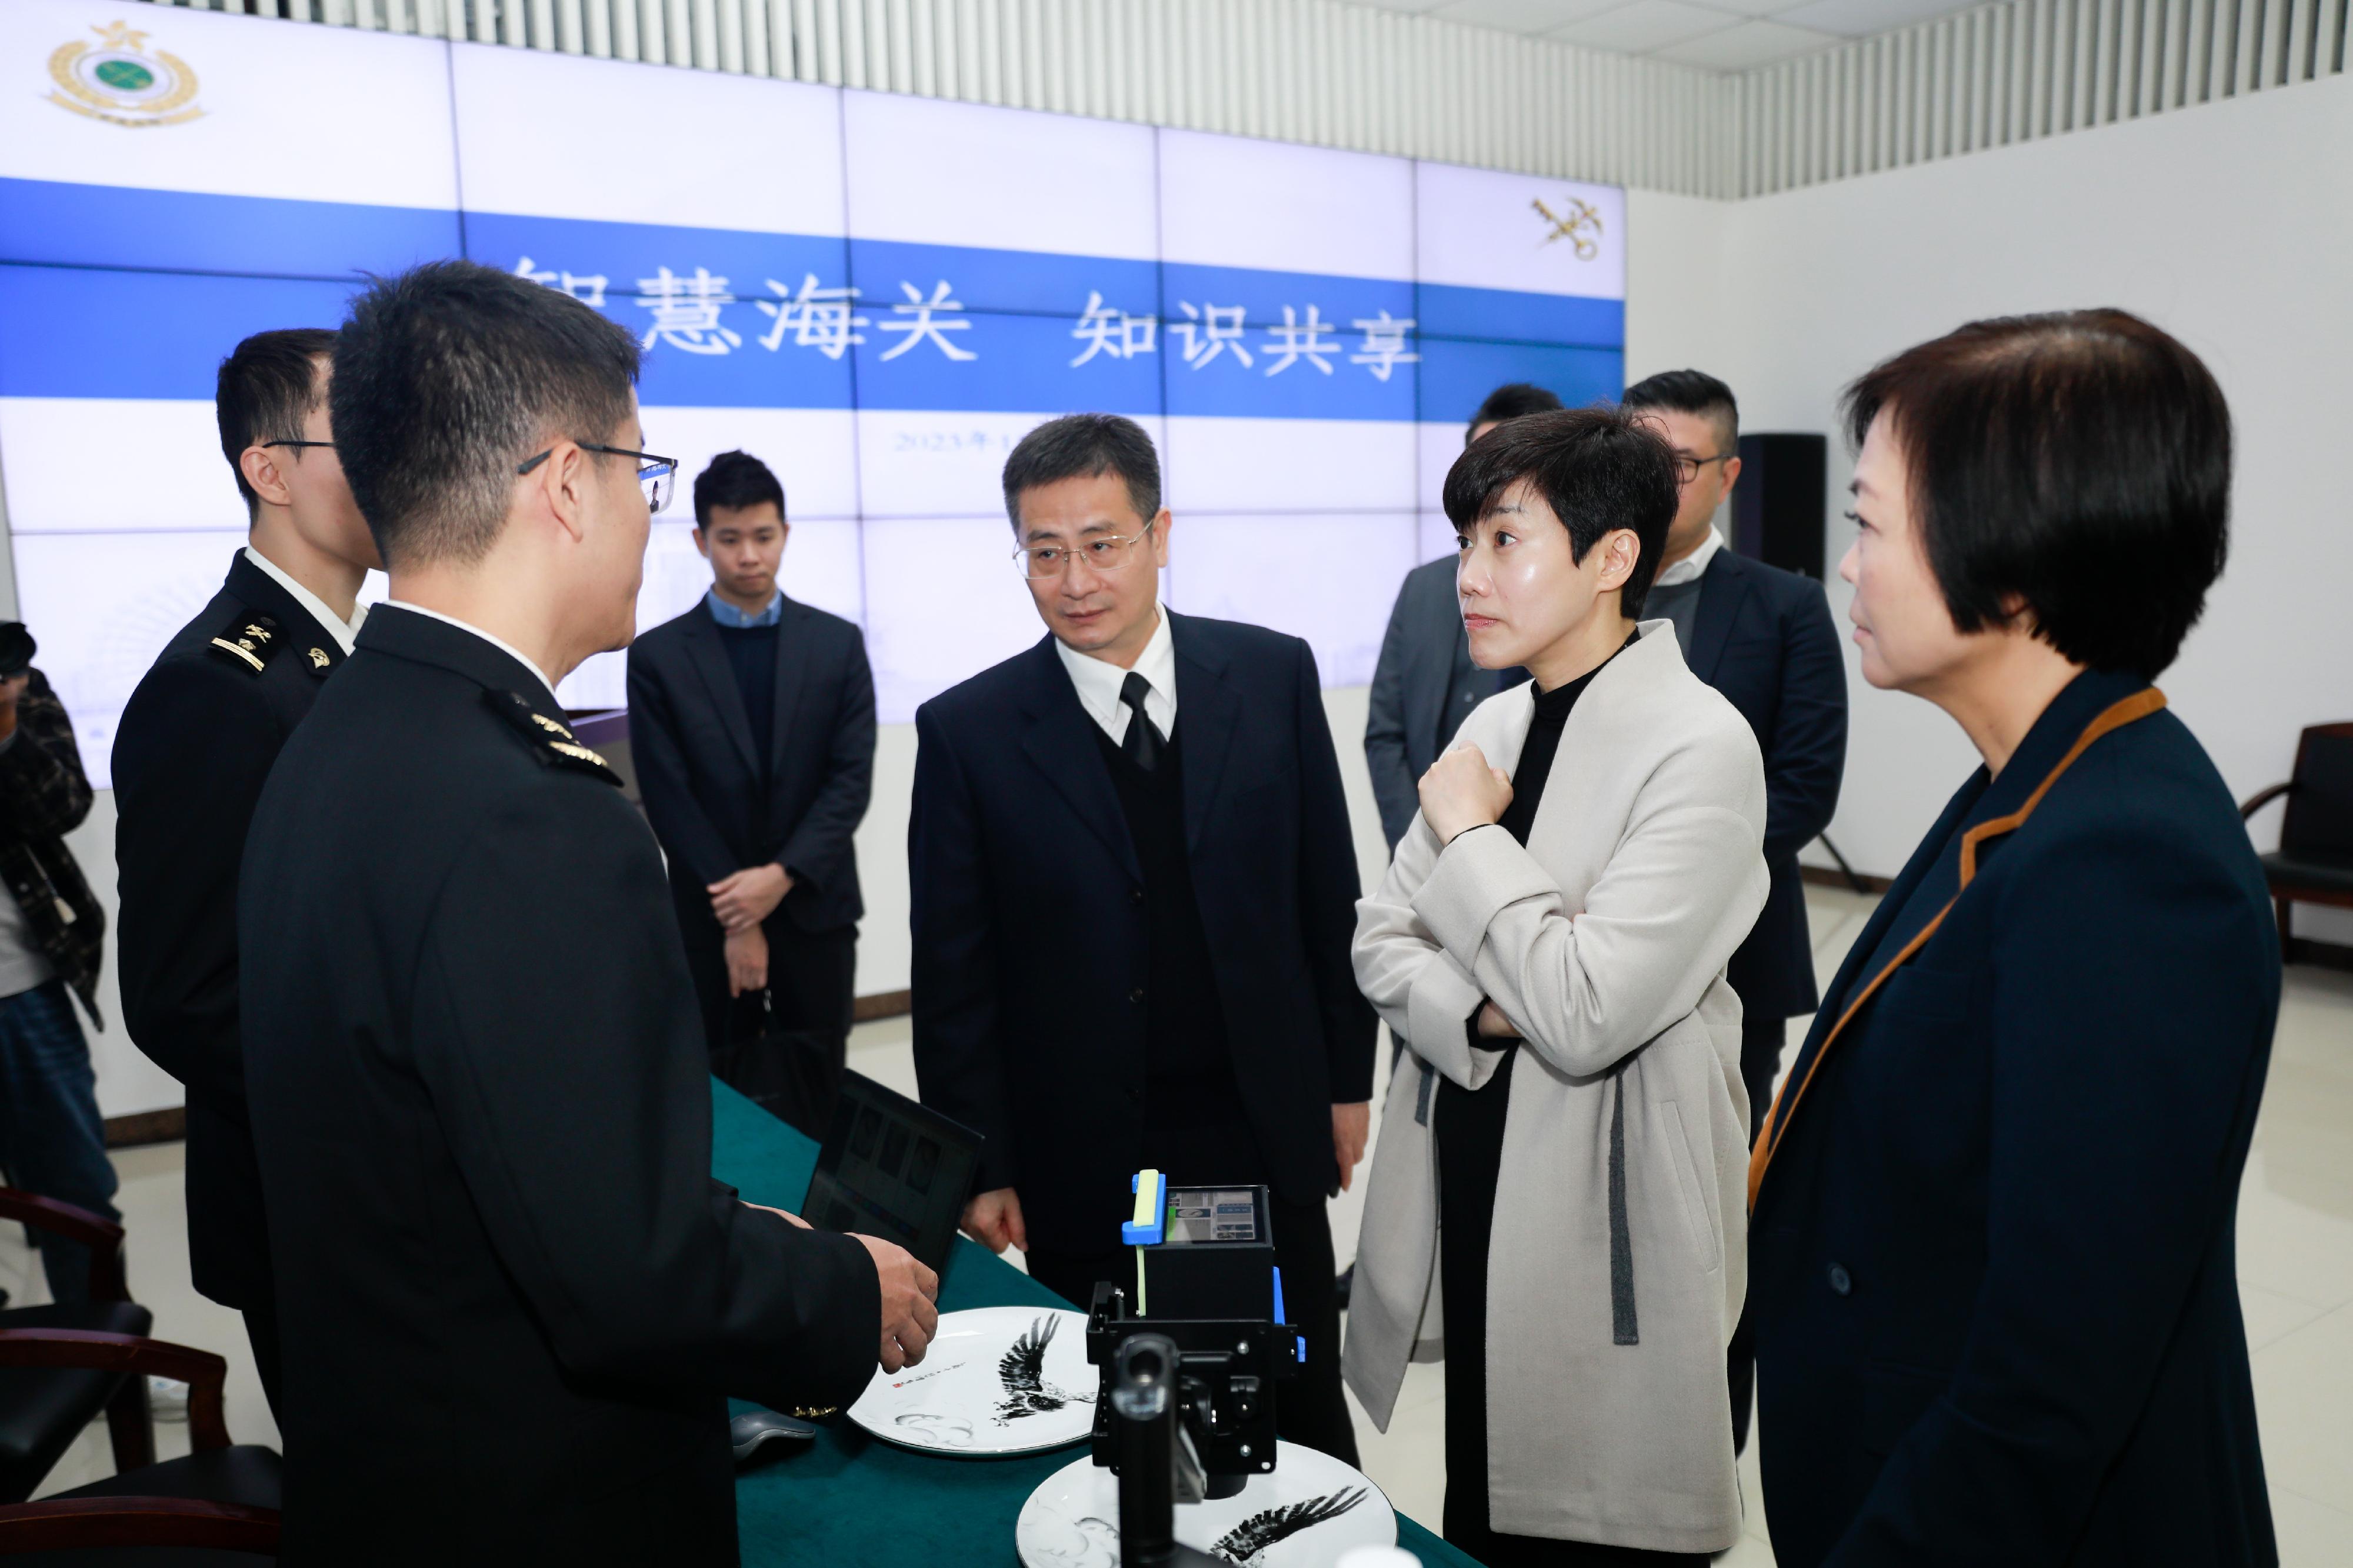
{"x": 878, "y": 296}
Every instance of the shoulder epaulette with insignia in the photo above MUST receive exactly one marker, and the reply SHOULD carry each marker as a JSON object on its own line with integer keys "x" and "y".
{"x": 551, "y": 742}
{"x": 249, "y": 640}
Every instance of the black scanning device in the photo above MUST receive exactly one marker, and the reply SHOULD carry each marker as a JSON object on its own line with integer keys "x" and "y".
{"x": 1206, "y": 1286}
{"x": 1155, "y": 1463}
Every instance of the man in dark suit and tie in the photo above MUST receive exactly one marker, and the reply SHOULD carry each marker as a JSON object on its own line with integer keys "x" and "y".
{"x": 752, "y": 725}
{"x": 196, "y": 741}
{"x": 1763, "y": 638}
{"x": 1135, "y": 891}
{"x": 1424, "y": 684}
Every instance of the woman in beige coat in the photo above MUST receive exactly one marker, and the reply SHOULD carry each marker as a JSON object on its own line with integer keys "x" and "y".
{"x": 1569, "y": 1119}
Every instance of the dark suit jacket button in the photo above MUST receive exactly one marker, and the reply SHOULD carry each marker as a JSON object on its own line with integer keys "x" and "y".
{"x": 1135, "y": 895}
{"x": 1840, "y": 1281}
{"x": 1136, "y": 994}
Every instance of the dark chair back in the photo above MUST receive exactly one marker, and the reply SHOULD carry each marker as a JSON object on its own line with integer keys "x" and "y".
{"x": 2319, "y": 820}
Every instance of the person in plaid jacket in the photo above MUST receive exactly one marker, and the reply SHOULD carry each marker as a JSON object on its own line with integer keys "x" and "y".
{"x": 52, "y": 1138}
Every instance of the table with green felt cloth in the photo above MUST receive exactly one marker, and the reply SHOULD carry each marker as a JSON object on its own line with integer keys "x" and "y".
{"x": 849, "y": 1499}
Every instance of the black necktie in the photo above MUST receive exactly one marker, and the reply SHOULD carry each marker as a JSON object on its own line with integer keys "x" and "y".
{"x": 1143, "y": 744}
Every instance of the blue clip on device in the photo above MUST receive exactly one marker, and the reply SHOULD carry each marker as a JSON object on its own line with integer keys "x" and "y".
{"x": 1150, "y": 1226}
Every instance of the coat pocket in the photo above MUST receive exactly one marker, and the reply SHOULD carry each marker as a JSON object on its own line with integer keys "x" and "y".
{"x": 1707, "y": 1246}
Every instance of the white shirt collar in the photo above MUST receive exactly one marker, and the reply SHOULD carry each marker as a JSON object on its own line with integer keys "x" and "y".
{"x": 499, "y": 643}
{"x": 345, "y": 633}
{"x": 1692, "y": 566}
{"x": 1098, "y": 681}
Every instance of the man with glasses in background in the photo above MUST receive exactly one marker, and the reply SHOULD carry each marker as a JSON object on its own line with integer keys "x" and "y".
{"x": 1134, "y": 894}
{"x": 513, "y": 1300}
{"x": 1763, "y": 638}
{"x": 195, "y": 743}
{"x": 752, "y": 725}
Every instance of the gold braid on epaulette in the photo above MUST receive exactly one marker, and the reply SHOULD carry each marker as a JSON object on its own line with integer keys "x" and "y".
{"x": 551, "y": 742}
{"x": 249, "y": 640}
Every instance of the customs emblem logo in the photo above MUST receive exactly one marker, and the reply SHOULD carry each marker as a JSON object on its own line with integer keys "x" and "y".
{"x": 118, "y": 80}
{"x": 1578, "y": 222}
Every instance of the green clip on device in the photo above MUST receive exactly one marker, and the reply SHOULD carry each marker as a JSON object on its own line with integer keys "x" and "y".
{"x": 1206, "y": 1279}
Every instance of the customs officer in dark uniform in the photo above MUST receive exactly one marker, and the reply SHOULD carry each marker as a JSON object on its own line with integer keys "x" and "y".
{"x": 514, "y": 1299}
{"x": 195, "y": 743}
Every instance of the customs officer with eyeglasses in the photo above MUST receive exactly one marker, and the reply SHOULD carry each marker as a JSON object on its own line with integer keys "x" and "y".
{"x": 1134, "y": 895}
{"x": 514, "y": 1301}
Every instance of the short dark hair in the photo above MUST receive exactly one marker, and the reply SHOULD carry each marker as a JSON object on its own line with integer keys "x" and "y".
{"x": 1081, "y": 447}
{"x": 267, "y": 387}
{"x": 445, "y": 378}
{"x": 734, "y": 480}
{"x": 2075, "y": 465}
{"x": 1517, "y": 401}
{"x": 1599, "y": 469}
{"x": 1690, "y": 392}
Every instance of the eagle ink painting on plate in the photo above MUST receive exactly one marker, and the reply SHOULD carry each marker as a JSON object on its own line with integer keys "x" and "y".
{"x": 1022, "y": 1371}
{"x": 1247, "y": 1544}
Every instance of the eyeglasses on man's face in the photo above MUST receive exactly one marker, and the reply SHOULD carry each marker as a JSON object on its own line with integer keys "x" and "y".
{"x": 328, "y": 444}
{"x": 1104, "y": 553}
{"x": 1687, "y": 469}
{"x": 656, "y": 476}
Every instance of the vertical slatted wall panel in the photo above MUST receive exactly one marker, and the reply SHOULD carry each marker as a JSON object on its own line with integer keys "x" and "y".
{"x": 1336, "y": 74}
{"x": 2015, "y": 71}
{"x": 1319, "y": 71}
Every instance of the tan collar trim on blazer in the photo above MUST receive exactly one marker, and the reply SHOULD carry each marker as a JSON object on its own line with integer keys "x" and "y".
{"x": 1777, "y": 1126}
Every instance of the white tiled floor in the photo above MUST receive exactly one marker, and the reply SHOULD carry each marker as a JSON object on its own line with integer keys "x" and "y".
{"x": 2295, "y": 1273}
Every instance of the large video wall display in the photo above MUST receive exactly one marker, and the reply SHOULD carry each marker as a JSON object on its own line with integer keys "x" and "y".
{"x": 877, "y": 295}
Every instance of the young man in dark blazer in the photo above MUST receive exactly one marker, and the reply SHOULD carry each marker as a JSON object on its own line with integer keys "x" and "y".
{"x": 196, "y": 741}
{"x": 752, "y": 725}
{"x": 1763, "y": 638}
{"x": 1135, "y": 890}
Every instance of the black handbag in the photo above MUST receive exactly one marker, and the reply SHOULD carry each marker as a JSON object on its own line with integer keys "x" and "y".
{"x": 789, "y": 1073}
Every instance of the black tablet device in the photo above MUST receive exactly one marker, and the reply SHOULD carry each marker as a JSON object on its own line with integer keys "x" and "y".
{"x": 892, "y": 1168}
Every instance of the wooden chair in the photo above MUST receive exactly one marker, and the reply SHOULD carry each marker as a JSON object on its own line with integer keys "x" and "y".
{"x": 2313, "y": 863}
{"x": 215, "y": 1508}
{"x": 44, "y": 1407}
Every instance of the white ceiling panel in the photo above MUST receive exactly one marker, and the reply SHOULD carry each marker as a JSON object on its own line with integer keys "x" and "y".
{"x": 1522, "y": 16}
{"x": 1646, "y": 26}
{"x": 1713, "y": 35}
{"x": 1865, "y": 19}
{"x": 1748, "y": 45}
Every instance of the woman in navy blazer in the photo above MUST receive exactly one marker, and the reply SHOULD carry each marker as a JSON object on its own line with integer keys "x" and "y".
{"x": 1992, "y": 1255}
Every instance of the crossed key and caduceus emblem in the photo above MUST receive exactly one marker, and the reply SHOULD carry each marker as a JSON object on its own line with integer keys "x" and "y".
{"x": 1578, "y": 222}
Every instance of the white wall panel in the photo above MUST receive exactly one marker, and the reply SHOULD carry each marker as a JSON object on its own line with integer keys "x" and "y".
{"x": 930, "y": 173}
{"x": 514, "y": 105}
{"x": 1228, "y": 202}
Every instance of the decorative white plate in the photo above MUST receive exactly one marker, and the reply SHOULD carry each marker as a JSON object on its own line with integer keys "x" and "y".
{"x": 996, "y": 1381}
{"x": 1305, "y": 1515}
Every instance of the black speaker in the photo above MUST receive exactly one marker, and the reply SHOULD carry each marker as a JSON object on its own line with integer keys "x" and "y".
{"x": 1779, "y": 507}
